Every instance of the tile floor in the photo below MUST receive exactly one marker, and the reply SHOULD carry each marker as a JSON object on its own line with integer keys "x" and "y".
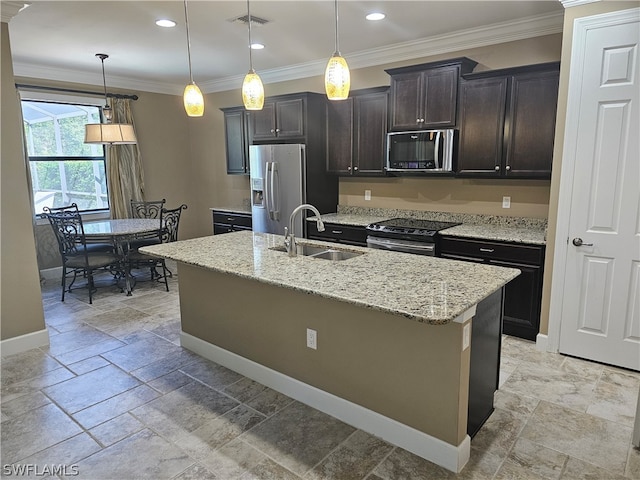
{"x": 115, "y": 397}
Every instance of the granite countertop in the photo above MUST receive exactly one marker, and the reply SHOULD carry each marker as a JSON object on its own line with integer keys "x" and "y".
{"x": 421, "y": 288}
{"x": 233, "y": 209}
{"x": 505, "y": 229}
{"x": 502, "y": 233}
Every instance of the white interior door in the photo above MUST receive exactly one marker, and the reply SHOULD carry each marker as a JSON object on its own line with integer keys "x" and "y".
{"x": 600, "y": 303}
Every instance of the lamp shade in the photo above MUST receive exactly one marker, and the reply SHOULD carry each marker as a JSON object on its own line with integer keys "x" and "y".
{"x": 252, "y": 91}
{"x": 337, "y": 79}
{"x": 109, "y": 133}
{"x": 193, "y": 100}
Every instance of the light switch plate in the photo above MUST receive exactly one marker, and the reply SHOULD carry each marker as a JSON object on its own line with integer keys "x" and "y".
{"x": 312, "y": 339}
{"x": 367, "y": 194}
{"x": 506, "y": 202}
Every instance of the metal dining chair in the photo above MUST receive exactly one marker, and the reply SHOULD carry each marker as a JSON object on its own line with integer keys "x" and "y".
{"x": 93, "y": 245}
{"x": 168, "y": 233}
{"x": 77, "y": 258}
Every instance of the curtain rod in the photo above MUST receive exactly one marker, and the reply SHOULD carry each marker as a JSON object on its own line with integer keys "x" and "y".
{"x": 68, "y": 90}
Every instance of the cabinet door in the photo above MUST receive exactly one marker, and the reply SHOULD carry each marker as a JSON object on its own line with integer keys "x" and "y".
{"x": 406, "y": 94}
{"x": 263, "y": 122}
{"x": 370, "y": 133}
{"x": 339, "y": 136}
{"x": 236, "y": 141}
{"x": 482, "y": 111}
{"x": 530, "y": 127}
{"x": 440, "y": 97}
{"x": 522, "y": 299}
{"x": 290, "y": 118}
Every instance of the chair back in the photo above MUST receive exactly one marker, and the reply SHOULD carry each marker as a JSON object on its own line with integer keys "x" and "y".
{"x": 68, "y": 229}
{"x": 152, "y": 209}
{"x": 171, "y": 220}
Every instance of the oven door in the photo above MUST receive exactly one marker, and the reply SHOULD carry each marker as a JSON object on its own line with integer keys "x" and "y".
{"x": 397, "y": 245}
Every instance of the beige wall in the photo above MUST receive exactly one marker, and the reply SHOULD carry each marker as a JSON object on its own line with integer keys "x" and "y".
{"x": 570, "y": 15}
{"x": 22, "y": 311}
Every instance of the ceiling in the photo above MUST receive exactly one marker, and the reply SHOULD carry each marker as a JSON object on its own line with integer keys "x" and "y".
{"x": 58, "y": 40}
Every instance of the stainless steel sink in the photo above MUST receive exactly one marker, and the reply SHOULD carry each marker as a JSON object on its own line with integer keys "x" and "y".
{"x": 319, "y": 251}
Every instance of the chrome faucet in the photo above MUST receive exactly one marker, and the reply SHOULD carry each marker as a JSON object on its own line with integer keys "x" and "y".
{"x": 289, "y": 237}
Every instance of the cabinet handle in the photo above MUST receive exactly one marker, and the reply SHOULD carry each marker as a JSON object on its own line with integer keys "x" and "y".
{"x": 349, "y": 168}
{"x": 273, "y": 131}
{"x": 508, "y": 167}
{"x": 355, "y": 168}
{"x": 337, "y": 232}
{"x": 230, "y": 219}
{"x": 488, "y": 250}
{"x": 277, "y": 130}
{"x": 497, "y": 169}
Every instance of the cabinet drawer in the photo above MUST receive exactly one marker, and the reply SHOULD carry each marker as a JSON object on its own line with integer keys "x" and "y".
{"x": 334, "y": 232}
{"x": 526, "y": 254}
{"x": 232, "y": 219}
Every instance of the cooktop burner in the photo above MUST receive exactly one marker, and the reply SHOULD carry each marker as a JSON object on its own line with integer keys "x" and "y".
{"x": 409, "y": 228}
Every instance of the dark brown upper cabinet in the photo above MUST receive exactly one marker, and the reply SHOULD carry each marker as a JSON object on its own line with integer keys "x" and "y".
{"x": 425, "y": 96}
{"x": 236, "y": 129}
{"x": 507, "y": 122}
{"x": 356, "y": 133}
{"x": 279, "y": 119}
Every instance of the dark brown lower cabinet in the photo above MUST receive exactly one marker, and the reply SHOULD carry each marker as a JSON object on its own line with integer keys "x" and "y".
{"x": 226, "y": 222}
{"x": 523, "y": 295}
{"x": 334, "y": 232}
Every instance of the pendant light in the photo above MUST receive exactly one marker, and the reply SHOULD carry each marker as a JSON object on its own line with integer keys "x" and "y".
{"x": 108, "y": 133}
{"x": 192, "y": 97}
{"x": 252, "y": 88}
{"x": 337, "y": 79}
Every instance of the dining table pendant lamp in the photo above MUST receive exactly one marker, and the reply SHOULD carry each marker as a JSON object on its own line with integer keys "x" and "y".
{"x": 192, "y": 96}
{"x": 337, "y": 79}
{"x": 108, "y": 133}
{"x": 252, "y": 88}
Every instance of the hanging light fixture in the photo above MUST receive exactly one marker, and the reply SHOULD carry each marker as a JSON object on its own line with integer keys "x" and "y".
{"x": 108, "y": 133}
{"x": 192, "y": 97}
{"x": 252, "y": 88}
{"x": 337, "y": 79}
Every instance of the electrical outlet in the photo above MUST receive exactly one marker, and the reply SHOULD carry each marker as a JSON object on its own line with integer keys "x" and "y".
{"x": 506, "y": 202}
{"x": 312, "y": 339}
{"x": 367, "y": 194}
{"x": 466, "y": 336}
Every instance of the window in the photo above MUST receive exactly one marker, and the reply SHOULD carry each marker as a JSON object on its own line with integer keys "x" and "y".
{"x": 64, "y": 169}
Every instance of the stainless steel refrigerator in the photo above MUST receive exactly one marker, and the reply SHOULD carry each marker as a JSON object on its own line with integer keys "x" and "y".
{"x": 284, "y": 176}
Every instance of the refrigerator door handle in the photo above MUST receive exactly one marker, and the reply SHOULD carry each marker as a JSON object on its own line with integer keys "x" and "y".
{"x": 267, "y": 189}
{"x": 275, "y": 191}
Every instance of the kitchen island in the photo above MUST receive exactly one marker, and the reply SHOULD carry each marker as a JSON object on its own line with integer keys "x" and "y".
{"x": 392, "y": 330}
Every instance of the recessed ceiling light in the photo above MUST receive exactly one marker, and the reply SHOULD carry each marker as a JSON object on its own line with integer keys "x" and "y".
{"x": 257, "y": 46}
{"x": 375, "y": 16}
{"x": 165, "y": 22}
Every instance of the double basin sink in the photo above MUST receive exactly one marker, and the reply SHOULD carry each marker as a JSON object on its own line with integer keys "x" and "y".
{"x": 320, "y": 251}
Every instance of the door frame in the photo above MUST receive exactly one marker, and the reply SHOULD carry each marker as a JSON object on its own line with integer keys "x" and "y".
{"x": 580, "y": 29}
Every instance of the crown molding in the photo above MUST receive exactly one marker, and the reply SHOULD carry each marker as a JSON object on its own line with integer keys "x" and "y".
{"x": 576, "y": 3}
{"x": 8, "y": 10}
{"x": 453, "y": 42}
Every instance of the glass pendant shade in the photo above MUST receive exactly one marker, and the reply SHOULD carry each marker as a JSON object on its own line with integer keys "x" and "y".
{"x": 337, "y": 79}
{"x": 252, "y": 91}
{"x": 193, "y": 100}
{"x": 109, "y": 133}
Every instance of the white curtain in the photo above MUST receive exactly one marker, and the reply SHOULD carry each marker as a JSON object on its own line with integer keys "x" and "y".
{"x": 125, "y": 177}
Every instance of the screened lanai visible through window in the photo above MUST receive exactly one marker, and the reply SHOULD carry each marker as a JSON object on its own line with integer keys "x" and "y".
{"x": 64, "y": 169}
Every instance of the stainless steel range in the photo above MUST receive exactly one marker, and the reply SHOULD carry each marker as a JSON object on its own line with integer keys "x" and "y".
{"x": 409, "y": 235}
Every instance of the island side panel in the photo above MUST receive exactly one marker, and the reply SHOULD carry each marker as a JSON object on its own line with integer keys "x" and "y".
{"x": 409, "y": 371}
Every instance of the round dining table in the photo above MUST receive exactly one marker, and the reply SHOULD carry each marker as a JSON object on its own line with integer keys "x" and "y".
{"x": 120, "y": 232}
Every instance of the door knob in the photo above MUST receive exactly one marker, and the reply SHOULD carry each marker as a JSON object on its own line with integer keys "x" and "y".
{"x": 579, "y": 243}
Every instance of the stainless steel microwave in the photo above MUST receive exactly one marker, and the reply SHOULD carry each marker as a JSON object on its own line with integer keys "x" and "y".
{"x": 421, "y": 151}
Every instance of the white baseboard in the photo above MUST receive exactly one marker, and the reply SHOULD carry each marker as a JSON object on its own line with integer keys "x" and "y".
{"x": 542, "y": 342}
{"x": 14, "y": 345}
{"x": 451, "y": 457}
